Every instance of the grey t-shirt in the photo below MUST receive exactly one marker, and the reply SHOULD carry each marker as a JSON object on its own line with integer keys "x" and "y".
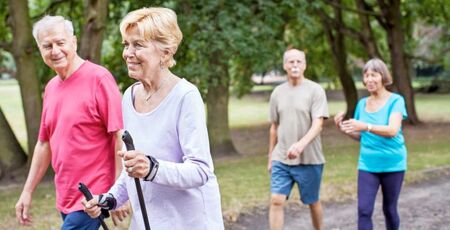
{"x": 294, "y": 108}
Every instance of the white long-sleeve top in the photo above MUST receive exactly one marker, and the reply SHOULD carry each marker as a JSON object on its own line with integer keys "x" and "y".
{"x": 184, "y": 193}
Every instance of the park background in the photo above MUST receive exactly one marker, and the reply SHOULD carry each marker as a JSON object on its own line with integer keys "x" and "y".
{"x": 232, "y": 50}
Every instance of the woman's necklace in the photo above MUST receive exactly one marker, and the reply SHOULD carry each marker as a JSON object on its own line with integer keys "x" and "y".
{"x": 159, "y": 87}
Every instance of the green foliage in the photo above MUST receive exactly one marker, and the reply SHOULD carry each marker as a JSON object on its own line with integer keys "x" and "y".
{"x": 228, "y": 40}
{"x": 429, "y": 42}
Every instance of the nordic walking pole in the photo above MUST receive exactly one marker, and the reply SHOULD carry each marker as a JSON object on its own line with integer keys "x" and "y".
{"x": 126, "y": 137}
{"x": 88, "y": 195}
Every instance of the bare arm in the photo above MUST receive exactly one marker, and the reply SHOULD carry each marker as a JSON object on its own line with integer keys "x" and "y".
{"x": 390, "y": 130}
{"x": 118, "y": 147}
{"x": 39, "y": 165}
{"x": 273, "y": 138}
{"x": 298, "y": 147}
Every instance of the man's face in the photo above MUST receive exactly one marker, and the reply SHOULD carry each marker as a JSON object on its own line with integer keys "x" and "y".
{"x": 58, "y": 48}
{"x": 294, "y": 63}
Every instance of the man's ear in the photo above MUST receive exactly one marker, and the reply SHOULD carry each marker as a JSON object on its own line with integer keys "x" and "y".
{"x": 74, "y": 40}
{"x": 284, "y": 67}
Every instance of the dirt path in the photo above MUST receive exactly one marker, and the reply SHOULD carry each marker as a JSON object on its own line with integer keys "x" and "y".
{"x": 425, "y": 205}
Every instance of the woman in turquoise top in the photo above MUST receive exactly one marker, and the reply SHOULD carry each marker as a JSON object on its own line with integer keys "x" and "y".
{"x": 382, "y": 161}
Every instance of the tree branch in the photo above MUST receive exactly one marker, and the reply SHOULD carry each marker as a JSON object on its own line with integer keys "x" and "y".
{"x": 379, "y": 17}
{"x": 358, "y": 11}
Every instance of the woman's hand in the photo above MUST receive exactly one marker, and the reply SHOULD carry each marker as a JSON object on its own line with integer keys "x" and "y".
{"x": 121, "y": 213}
{"x": 91, "y": 207}
{"x": 136, "y": 163}
{"x": 338, "y": 118}
{"x": 352, "y": 126}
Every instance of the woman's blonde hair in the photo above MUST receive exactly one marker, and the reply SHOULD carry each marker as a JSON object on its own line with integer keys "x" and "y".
{"x": 158, "y": 25}
{"x": 377, "y": 65}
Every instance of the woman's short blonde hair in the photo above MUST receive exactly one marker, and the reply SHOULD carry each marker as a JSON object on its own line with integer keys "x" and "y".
{"x": 158, "y": 25}
{"x": 377, "y": 65}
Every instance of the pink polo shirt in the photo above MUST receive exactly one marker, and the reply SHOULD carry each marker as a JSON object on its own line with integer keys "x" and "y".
{"x": 79, "y": 118}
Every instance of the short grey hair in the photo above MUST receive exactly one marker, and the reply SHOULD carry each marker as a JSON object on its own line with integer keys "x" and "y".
{"x": 285, "y": 55}
{"x": 377, "y": 65}
{"x": 49, "y": 21}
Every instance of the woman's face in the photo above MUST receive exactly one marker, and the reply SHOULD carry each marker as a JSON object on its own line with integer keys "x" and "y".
{"x": 142, "y": 57}
{"x": 373, "y": 81}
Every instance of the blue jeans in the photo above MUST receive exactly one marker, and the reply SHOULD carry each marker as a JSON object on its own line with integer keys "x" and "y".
{"x": 79, "y": 220}
{"x": 368, "y": 184}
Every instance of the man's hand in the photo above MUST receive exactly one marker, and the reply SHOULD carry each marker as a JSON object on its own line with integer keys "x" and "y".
{"x": 269, "y": 166}
{"x": 295, "y": 150}
{"x": 22, "y": 208}
{"x": 121, "y": 213}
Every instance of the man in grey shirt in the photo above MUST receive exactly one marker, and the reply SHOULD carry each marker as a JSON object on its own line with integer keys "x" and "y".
{"x": 297, "y": 110}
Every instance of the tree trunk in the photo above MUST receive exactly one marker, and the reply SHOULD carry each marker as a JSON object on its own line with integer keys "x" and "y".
{"x": 95, "y": 13}
{"x": 367, "y": 38}
{"x": 339, "y": 53}
{"x": 23, "y": 45}
{"x": 218, "y": 125}
{"x": 400, "y": 67}
{"x": 12, "y": 155}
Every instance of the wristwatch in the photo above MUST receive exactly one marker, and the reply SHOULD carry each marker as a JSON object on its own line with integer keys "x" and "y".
{"x": 369, "y": 127}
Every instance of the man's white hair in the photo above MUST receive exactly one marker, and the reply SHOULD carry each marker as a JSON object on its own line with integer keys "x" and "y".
{"x": 289, "y": 51}
{"x": 50, "y": 21}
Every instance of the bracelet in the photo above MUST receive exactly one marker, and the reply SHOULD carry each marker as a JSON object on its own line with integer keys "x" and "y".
{"x": 154, "y": 165}
{"x": 107, "y": 201}
{"x": 369, "y": 127}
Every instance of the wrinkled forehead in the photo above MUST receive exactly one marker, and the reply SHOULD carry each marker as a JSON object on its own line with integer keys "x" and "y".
{"x": 56, "y": 31}
{"x": 293, "y": 55}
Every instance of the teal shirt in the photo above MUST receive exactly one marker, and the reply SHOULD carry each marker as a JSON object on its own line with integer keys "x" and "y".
{"x": 378, "y": 153}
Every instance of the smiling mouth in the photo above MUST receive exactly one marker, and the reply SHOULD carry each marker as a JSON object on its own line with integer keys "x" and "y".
{"x": 57, "y": 59}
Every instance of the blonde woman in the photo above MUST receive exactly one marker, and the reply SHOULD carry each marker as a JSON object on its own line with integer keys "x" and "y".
{"x": 165, "y": 116}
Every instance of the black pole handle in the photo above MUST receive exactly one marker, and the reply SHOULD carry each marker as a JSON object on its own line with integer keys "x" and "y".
{"x": 128, "y": 140}
{"x": 88, "y": 195}
{"x": 84, "y": 189}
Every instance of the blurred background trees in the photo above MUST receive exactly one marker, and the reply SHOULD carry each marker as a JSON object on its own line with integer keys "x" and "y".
{"x": 226, "y": 42}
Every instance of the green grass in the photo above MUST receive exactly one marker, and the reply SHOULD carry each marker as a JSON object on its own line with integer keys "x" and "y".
{"x": 433, "y": 107}
{"x": 251, "y": 110}
{"x": 248, "y": 111}
{"x": 44, "y": 213}
{"x": 11, "y": 104}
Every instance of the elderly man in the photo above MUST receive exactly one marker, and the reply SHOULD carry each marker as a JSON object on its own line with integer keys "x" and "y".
{"x": 297, "y": 110}
{"x": 80, "y": 126}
